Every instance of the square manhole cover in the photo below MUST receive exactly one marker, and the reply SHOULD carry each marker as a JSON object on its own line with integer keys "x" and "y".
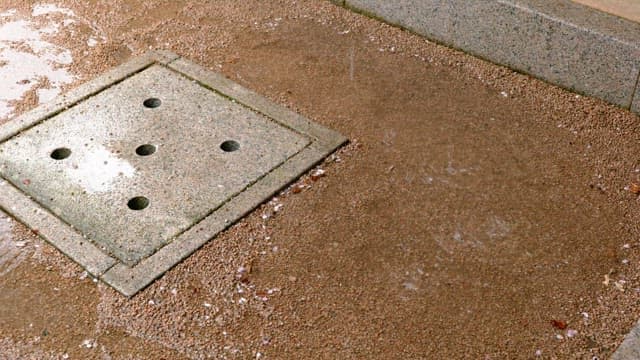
{"x": 132, "y": 172}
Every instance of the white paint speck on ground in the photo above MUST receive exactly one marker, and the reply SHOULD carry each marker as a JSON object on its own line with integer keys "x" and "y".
{"x": 88, "y": 344}
{"x": 538, "y": 353}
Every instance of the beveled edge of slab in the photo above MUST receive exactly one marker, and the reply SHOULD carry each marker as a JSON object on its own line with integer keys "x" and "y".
{"x": 129, "y": 280}
{"x": 54, "y": 230}
{"x": 579, "y": 48}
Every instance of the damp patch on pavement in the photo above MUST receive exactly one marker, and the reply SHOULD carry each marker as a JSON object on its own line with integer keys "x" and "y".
{"x": 30, "y": 59}
{"x": 132, "y": 172}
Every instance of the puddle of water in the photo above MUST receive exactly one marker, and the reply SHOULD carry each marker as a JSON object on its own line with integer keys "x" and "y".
{"x": 29, "y": 60}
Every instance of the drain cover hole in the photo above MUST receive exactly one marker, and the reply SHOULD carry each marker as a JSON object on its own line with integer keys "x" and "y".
{"x": 138, "y": 203}
{"x": 145, "y": 150}
{"x": 60, "y": 153}
{"x": 230, "y": 145}
{"x": 152, "y": 103}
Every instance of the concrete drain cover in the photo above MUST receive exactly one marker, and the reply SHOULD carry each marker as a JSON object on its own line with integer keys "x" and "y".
{"x": 132, "y": 172}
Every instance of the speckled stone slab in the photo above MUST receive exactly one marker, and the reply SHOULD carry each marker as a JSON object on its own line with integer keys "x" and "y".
{"x": 145, "y": 164}
{"x": 564, "y": 43}
{"x": 630, "y": 347}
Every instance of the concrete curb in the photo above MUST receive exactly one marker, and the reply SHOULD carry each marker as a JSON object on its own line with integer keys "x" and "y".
{"x": 564, "y": 43}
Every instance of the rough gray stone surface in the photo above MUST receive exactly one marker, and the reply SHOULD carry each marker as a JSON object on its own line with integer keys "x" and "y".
{"x": 561, "y": 42}
{"x": 202, "y": 150}
{"x": 187, "y": 177}
{"x": 630, "y": 347}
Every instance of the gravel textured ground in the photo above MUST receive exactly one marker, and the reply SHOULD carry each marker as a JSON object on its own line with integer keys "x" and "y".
{"x": 477, "y": 213}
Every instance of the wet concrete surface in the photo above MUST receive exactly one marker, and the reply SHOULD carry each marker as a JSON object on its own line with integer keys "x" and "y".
{"x": 476, "y": 213}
